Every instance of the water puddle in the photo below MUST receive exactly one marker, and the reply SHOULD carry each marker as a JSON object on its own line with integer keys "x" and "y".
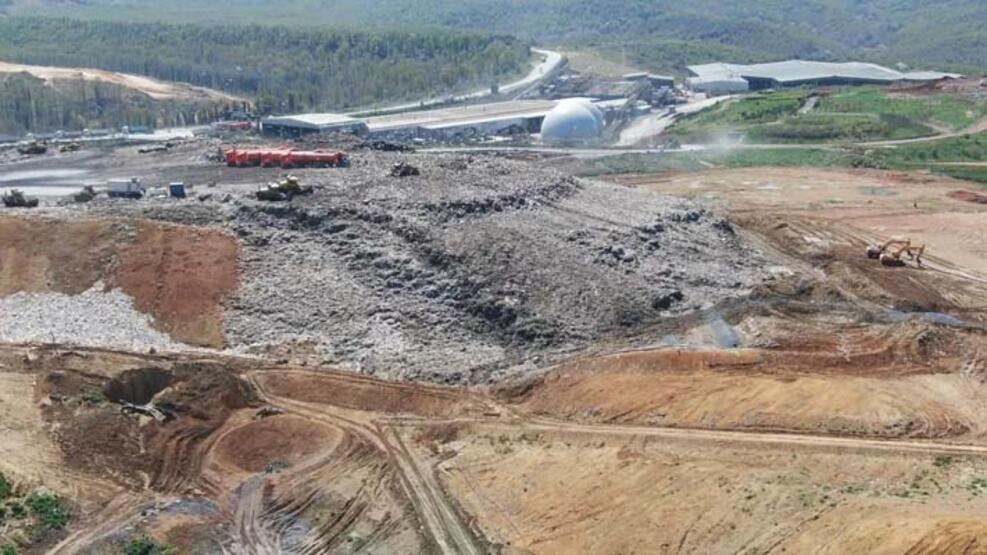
{"x": 933, "y": 317}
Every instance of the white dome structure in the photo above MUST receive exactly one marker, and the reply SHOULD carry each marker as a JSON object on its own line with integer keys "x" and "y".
{"x": 572, "y": 122}
{"x": 588, "y": 104}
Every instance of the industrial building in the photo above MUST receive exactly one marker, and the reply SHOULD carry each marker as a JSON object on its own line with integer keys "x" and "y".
{"x": 304, "y": 124}
{"x": 720, "y": 78}
{"x": 520, "y": 116}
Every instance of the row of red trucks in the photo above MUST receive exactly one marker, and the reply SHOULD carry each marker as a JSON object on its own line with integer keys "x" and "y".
{"x": 285, "y": 158}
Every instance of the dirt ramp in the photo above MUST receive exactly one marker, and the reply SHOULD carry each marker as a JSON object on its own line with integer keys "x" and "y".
{"x": 366, "y": 394}
{"x": 179, "y": 275}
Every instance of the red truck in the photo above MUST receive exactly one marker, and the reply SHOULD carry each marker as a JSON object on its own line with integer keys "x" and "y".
{"x": 285, "y": 158}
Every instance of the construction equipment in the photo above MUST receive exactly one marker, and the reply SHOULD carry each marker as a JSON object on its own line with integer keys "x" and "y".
{"x": 70, "y": 147}
{"x": 890, "y": 253}
{"x": 125, "y": 188}
{"x": 404, "y": 169}
{"x": 285, "y": 158}
{"x": 85, "y": 195}
{"x": 16, "y": 199}
{"x": 33, "y": 149}
{"x": 283, "y": 190}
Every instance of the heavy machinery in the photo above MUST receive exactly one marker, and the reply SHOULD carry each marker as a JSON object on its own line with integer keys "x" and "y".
{"x": 404, "y": 169}
{"x": 16, "y": 199}
{"x": 890, "y": 252}
{"x": 285, "y": 158}
{"x": 87, "y": 194}
{"x": 283, "y": 190}
{"x": 70, "y": 147}
{"x": 33, "y": 149}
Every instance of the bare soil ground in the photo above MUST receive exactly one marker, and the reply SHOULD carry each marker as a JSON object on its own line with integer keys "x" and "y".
{"x": 158, "y": 90}
{"x": 179, "y": 275}
{"x": 835, "y": 407}
{"x": 866, "y": 203}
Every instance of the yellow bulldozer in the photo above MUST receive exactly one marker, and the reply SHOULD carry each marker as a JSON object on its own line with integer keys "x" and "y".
{"x": 283, "y": 190}
{"x": 891, "y": 252}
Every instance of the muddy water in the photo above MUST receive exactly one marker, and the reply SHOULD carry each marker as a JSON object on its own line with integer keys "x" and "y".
{"x": 47, "y": 182}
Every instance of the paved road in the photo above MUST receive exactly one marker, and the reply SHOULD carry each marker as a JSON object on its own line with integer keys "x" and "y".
{"x": 551, "y": 61}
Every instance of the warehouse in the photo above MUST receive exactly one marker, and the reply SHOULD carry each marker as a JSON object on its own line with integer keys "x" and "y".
{"x": 304, "y": 124}
{"x": 498, "y": 118}
{"x": 489, "y": 119}
{"x": 720, "y": 78}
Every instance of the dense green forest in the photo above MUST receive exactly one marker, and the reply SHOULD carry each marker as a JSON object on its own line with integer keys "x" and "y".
{"x": 284, "y": 69}
{"x": 29, "y": 104}
{"x": 945, "y": 34}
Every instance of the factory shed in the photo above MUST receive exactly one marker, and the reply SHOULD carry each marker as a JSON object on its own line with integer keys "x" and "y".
{"x": 721, "y": 78}
{"x": 304, "y": 124}
{"x": 655, "y": 80}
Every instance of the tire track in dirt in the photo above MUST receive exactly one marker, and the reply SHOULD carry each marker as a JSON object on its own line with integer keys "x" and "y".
{"x": 431, "y": 504}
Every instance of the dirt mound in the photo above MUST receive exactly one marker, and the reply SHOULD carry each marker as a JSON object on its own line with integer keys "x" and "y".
{"x": 283, "y": 440}
{"x": 180, "y": 276}
{"x": 473, "y": 266}
{"x": 953, "y": 537}
{"x": 969, "y": 196}
{"x": 897, "y": 380}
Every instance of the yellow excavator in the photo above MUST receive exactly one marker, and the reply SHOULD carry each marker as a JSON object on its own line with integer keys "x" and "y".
{"x": 890, "y": 253}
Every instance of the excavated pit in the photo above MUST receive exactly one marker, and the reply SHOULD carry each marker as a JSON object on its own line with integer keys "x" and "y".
{"x": 138, "y": 386}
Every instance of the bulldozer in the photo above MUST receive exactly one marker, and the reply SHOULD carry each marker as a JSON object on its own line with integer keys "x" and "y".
{"x": 87, "y": 194}
{"x": 16, "y": 199}
{"x": 283, "y": 190}
{"x": 891, "y": 252}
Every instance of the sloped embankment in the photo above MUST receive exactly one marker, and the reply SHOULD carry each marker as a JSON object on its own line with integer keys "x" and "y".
{"x": 179, "y": 276}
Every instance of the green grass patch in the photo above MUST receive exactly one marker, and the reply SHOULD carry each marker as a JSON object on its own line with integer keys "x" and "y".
{"x": 968, "y": 173}
{"x": 956, "y": 113}
{"x": 968, "y": 148}
{"x": 848, "y": 115}
{"x": 639, "y": 163}
{"x": 734, "y": 115}
{"x": 824, "y": 128}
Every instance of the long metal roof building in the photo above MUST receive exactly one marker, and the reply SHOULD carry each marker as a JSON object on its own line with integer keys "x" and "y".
{"x": 800, "y": 72}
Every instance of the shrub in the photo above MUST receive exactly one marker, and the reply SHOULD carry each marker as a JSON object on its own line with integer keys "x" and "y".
{"x": 49, "y": 509}
{"x": 146, "y": 546}
{"x": 5, "y": 487}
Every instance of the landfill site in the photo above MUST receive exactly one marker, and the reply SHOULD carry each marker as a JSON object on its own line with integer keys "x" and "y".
{"x": 325, "y": 344}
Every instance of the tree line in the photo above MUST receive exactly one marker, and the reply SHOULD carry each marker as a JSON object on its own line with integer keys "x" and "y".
{"x": 285, "y": 69}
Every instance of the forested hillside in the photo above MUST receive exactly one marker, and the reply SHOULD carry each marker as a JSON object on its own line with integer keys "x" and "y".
{"x": 925, "y": 33}
{"x": 28, "y": 103}
{"x": 283, "y": 69}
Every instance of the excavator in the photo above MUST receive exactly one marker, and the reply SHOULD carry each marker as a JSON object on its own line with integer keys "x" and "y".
{"x": 890, "y": 252}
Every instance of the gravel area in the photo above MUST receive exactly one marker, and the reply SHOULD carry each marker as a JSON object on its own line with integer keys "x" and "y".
{"x": 95, "y": 318}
